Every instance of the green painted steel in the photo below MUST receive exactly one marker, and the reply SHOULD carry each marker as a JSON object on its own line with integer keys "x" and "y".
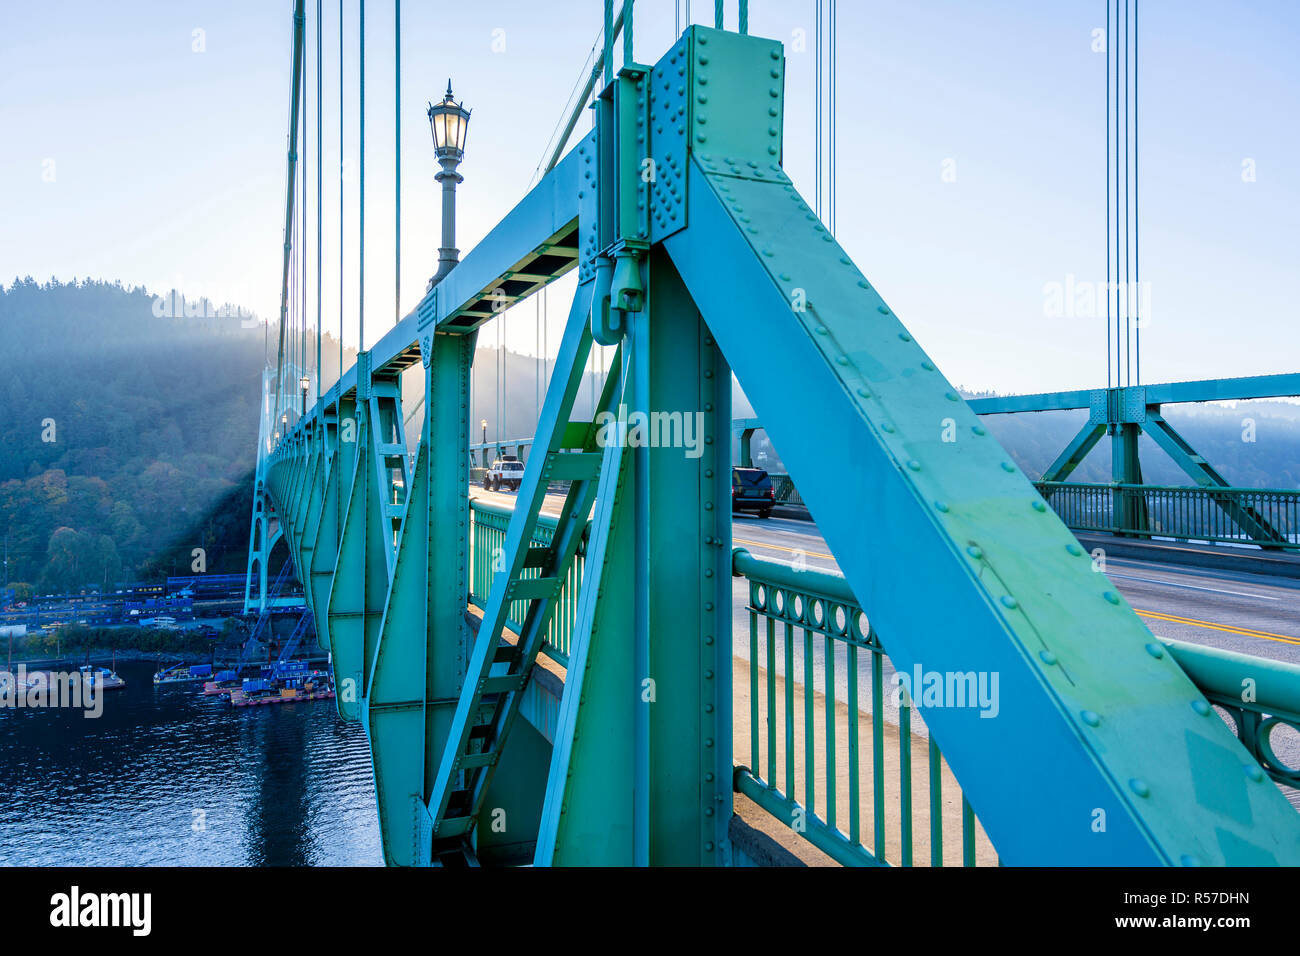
{"x": 961, "y": 563}
{"x": 957, "y": 519}
{"x": 1232, "y": 515}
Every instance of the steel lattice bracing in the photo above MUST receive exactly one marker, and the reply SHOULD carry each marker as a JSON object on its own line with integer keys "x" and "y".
{"x": 714, "y": 264}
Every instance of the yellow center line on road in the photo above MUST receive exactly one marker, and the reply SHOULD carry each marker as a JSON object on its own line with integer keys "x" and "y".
{"x": 778, "y": 547}
{"x": 1230, "y": 629}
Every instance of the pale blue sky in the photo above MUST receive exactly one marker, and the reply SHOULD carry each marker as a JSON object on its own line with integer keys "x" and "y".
{"x": 168, "y": 164}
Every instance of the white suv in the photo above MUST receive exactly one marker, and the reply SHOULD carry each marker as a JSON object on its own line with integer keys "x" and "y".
{"x": 505, "y": 472}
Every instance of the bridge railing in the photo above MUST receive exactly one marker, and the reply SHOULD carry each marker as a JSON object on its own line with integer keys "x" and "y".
{"x": 488, "y": 524}
{"x": 824, "y": 757}
{"x": 1259, "y": 696}
{"x": 1174, "y": 511}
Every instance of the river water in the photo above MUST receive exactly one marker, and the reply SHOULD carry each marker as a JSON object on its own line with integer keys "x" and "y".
{"x": 168, "y": 776}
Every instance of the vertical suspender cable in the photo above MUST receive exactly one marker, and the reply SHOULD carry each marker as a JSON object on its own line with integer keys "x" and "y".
{"x": 340, "y": 375}
{"x": 361, "y": 185}
{"x": 1106, "y": 123}
{"x": 397, "y": 170}
{"x": 831, "y": 114}
{"x": 744, "y": 16}
{"x": 320, "y": 169}
{"x": 608, "y": 44}
{"x": 717, "y": 14}
{"x": 817, "y": 109}
{"x": 1137, "y": 245}
{"x": 1115, "y": 103}
{"x": 628, "y": 59}
{"x": 302, "y": 258}
{"x": 1128, "y": 291}
{"x": 298, "y": 18}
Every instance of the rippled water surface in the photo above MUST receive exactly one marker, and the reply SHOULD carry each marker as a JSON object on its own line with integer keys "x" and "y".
{"x": 168, "y": 776}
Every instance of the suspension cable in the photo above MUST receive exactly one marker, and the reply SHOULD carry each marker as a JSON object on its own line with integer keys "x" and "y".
{"x": 1128, "y": 290}
{"x": 1106, "y": 123}
{"x": 1137, "y": 245}
{"x": 320, "y": 170}
{"x": 361, "y": 185}
{"x": 397, "y": 152}
{"x": 298, "y": 18}
{"x": 341, "y": 125}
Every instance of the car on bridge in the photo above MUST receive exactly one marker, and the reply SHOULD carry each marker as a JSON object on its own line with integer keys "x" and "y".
{"x": 506, "y": 472}
{"x": 751, "y": 490}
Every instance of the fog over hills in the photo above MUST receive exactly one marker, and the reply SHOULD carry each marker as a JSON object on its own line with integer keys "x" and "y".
{"x": 128, "y": 425}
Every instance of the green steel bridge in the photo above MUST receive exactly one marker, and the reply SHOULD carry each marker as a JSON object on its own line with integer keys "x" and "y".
{"x": 556, "y": 683}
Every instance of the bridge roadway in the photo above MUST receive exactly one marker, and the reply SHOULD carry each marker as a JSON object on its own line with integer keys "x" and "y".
{"x": 1257, "y": 614}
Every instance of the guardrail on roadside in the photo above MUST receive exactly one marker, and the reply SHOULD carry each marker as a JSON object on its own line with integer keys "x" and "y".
{"x": 1235, "y": 515}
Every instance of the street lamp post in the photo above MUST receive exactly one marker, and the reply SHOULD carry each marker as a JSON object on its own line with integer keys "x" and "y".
{"x": 304, "y": 383}
{"x": 449, "y": 122}
{"x": 483, "y": 424}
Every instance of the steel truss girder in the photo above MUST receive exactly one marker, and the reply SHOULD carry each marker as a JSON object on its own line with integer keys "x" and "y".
{"x": 957, "y": 559}
{"x": 959, "y": 562}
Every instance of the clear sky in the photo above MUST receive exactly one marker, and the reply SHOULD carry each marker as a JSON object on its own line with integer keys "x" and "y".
{"x": 136, "y": 148}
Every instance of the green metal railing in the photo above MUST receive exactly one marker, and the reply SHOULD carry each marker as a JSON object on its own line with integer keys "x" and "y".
{"x": 487, "y": 535}
{"x": 808, "y": 742}
{"x": 784, "y": 489}
{"x": 1260, "y": 696}
{"x": 1208, "y": 514}
{"x": 824, "y": 757}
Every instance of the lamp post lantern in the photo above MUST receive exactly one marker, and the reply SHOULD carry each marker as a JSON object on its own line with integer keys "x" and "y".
{"x": 305, "y": 384}
{"x": 449, "y": 122}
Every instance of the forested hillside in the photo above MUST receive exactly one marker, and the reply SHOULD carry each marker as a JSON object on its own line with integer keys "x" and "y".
{"x": 127, "y": 436}
{"x": 119, "y": 429}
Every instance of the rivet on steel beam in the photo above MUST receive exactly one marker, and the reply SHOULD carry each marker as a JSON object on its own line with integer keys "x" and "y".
{"x": 1047, "y": 657}
{"x": 1201, "y": 707}
{"x": 1156, "y": 651}
{"x": 975, "y": 552}
{"x": 1139, "y": 787}
{"x": 1111, "y": 596}
{"x": 927, "y": 365}
{"x": 979, "y": 429}
{"x": 1009, "y": 601}
{"x": 904, "y": 336}
{"x": 886, "y": 427}
{"x": 1254, "y": 772}
{"x": 772, "y": 111}
{"x": 1090, "y": 718}
{"x": 883, "y": 309}
{"x": 1188, "y": 860}
{"x": 864, "y": 393}
{"x": 842, "y": 360}
{"x": 952, "y": 396}
{"x": 1039, "y": 506}
{"x": 941, "y": 507}
{"x": 822, "y": 330}
{"x": 1074, "y": 549}
{"x": 914, "y": 465}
